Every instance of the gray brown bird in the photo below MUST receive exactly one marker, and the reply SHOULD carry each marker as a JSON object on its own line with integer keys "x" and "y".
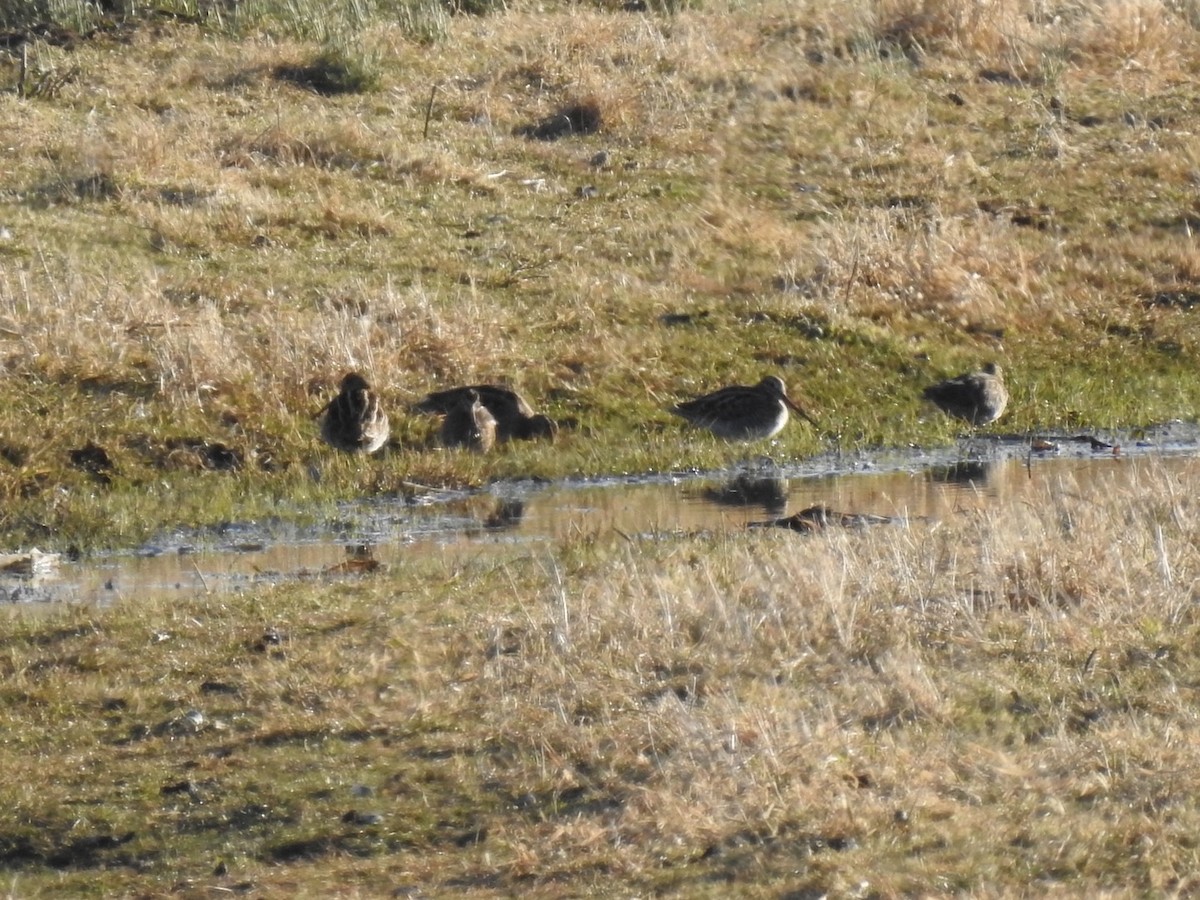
{"x": 740, "y": 413}
{"x": 354, "y": 421}
{"x": 977, "y": 398}
{"x": 468, "y": 424}
{"x": 515, "y": 418}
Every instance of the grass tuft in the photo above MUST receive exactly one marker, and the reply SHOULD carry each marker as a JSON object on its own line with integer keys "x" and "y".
{"x": 334, "y": 71}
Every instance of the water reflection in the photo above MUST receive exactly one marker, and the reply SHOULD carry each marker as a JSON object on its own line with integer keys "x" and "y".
{"x": 748, "y": 489}
{"x": 964, "y": 472}
{"x": 518, "y": 519}
{"x": 360, "y": 560}
{"x": 507, "y": 513}
{"x": 819, "y": 517}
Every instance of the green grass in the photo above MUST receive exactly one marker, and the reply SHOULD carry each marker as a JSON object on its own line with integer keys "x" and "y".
{"x": 207, "y": 219}
{"x": 209, "y": 222}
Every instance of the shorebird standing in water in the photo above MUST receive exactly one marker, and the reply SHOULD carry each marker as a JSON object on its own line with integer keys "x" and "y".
{"x": 469, "y": 424}
{"x": 740, "y": 413}
{"x": 354, "y": 421}
{"x": 977, "y": 398}
{"x": 515, "y": 418}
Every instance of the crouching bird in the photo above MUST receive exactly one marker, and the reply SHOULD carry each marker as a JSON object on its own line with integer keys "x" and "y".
{"x": 354, "y": 421}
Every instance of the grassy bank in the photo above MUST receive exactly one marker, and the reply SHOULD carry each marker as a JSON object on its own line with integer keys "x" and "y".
{"x": 207, "y": 220}
{"x": 997, "y": 703}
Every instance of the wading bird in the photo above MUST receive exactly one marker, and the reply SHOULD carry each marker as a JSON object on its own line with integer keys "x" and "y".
{"x": 515, "y": 418}
{"x": 354, "y": 421}
{"x": 469, "y": 424}
{"x": 977, "y": 398}
{"x": 740, "y": 413}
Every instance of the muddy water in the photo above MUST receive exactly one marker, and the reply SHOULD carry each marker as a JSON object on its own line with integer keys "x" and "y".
{"x": 512, "y": 519}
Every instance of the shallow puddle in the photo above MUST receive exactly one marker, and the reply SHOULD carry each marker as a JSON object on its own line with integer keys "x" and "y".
{"x": 511, "y": 519}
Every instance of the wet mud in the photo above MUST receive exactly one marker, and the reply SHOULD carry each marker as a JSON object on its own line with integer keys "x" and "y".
{"x": 512, "y": 518}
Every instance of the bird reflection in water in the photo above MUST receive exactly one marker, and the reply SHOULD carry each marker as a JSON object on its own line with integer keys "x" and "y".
{"x": 964, "y": 473}
{"x": 750, "y": 489}
{"x": 507, "y": 514}
{"x": 820, "y": 517}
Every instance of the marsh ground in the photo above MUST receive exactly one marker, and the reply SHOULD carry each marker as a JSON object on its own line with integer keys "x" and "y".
{"x": 207, "y": 217}
{"x": 997, "y": 703}
{"x": 207, "y": 220}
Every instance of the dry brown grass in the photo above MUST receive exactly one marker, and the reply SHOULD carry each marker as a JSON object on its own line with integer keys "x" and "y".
{"x": 997, "y": 700}
{"x": 858, "y": 196}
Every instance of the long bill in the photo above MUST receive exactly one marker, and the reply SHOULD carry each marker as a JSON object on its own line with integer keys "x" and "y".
{"x": 800, "y": 412}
